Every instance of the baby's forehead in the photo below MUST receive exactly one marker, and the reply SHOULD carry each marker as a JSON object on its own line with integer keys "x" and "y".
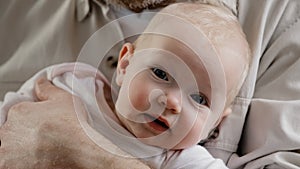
{"x": 217, "y": 23}
{"x": 211, "y": 18}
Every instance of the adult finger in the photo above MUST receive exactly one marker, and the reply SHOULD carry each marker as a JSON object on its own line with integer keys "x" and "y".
{"x": 45, "y": 90}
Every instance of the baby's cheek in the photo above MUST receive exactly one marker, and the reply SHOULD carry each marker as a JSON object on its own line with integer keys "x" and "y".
{"x": 196, "y": 131}
{"x": 202, "y": 123}
{"x": 139, "y": 100}
{"x": 139, "y": 95}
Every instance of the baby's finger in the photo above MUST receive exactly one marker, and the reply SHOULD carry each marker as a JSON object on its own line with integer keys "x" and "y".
{"x": 45, "y": 90}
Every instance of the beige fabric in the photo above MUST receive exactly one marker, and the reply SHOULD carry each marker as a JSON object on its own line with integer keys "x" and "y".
{"x": 270, "y": 126}
{"x": 35, "y": 34}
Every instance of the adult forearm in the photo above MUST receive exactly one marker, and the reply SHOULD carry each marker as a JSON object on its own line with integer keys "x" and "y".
{"x": 47, "y": 134}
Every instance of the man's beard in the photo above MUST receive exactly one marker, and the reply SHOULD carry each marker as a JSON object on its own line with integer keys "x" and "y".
{"x": 140, "y": 5}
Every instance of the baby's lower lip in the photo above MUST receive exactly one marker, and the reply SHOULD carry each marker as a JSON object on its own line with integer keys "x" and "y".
{"x": 155, "y": 124}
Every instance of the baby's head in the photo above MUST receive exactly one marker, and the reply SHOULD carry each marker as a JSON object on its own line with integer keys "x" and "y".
{"x": 179, "y": 78}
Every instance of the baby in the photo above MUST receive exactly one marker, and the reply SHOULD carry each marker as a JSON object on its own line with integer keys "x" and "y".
{"x": 176, "y": 81}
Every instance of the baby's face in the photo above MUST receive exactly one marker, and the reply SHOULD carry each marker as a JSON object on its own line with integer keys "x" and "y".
{"x": 170, "y": 95}
{"x": 165, "y": 94}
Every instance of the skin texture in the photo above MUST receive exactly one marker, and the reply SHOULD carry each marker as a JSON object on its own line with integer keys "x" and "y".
{"x": 40, "y": 142}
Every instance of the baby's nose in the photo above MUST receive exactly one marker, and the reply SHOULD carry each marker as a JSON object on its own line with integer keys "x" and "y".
{"x": 172, "y": 101}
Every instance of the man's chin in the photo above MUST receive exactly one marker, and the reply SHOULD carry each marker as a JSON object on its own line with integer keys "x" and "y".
{"x": 140, "y": 5}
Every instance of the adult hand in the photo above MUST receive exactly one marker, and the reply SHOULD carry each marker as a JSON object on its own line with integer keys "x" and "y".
{"x": 47, "y": 134}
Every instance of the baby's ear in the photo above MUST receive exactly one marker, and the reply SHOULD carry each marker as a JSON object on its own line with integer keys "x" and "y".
{"x": 225, "y": 113}
{"x": 125, "y": 54}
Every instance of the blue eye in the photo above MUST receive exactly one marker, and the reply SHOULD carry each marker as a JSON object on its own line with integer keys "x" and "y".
{"x": 199, "y": 98}
{"x": 160, "y": 74}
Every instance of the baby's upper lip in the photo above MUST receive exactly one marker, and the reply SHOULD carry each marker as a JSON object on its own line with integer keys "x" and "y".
{"x": 161, "y": 119}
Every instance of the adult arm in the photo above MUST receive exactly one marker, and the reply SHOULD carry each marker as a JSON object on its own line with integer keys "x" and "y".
{"x": 47, "y": 134}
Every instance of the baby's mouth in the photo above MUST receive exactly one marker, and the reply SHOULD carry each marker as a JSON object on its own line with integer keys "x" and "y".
{"x": 160, "y": 124}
